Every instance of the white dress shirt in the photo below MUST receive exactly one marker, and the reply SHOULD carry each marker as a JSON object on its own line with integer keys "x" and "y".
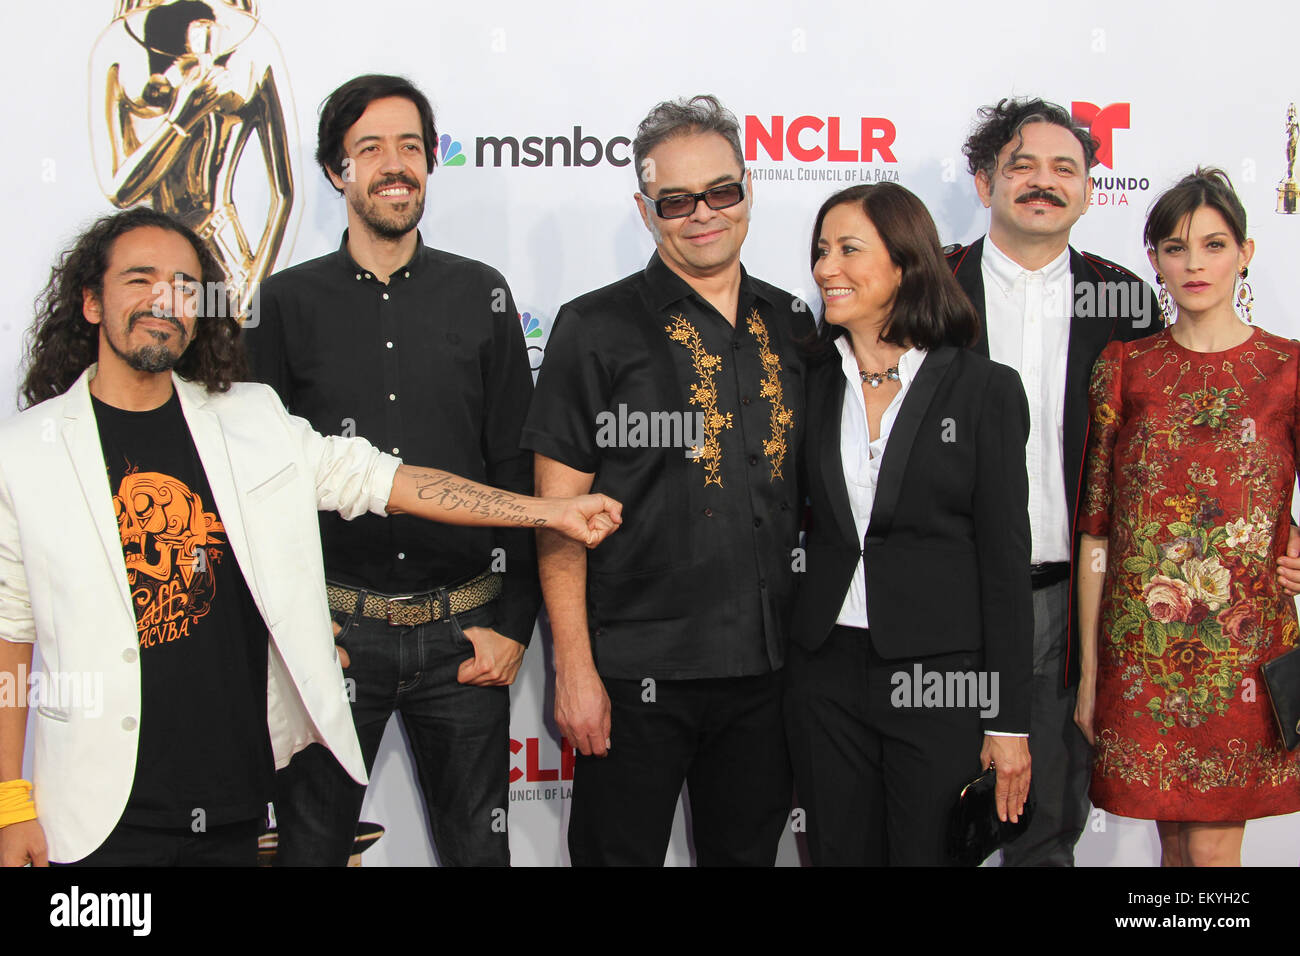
{"x": 861, "y": 459}
{"x": 1028, "y": 322}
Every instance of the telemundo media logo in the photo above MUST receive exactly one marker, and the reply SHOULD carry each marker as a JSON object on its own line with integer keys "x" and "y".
{"x": 1101, "y": 122}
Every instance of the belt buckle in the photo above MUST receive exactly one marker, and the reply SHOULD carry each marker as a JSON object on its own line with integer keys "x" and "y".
{"x": 388, "y": 608}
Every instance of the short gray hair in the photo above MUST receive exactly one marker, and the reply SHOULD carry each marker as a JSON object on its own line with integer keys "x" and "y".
{"x": 699, "y": 114}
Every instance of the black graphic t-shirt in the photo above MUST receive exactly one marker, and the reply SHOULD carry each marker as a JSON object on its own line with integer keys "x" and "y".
{"x": 204, "y": 744}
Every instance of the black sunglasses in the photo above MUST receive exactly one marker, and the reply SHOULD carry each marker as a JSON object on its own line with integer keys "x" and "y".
{"x": 681, "y": 205}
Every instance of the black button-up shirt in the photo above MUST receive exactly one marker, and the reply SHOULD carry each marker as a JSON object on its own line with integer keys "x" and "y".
{"x": 698, "y": 581}
{"x": 430, "y": 367}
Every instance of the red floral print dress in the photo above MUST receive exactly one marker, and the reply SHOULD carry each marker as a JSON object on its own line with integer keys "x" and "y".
{"x": 1191, "y": 463}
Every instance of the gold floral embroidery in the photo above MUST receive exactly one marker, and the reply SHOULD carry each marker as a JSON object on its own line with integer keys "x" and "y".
{"x": 782, "y": 419}
{"x": 1239, "y": 765}
{"x": 704, "y": 394}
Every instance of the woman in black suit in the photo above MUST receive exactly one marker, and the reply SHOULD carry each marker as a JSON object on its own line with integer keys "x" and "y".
{"x": 905, "y": 681}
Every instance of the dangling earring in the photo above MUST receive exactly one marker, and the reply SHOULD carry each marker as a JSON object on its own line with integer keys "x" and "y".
{"x": 1167, "y": 307}
{"x": 1245, "y": 297}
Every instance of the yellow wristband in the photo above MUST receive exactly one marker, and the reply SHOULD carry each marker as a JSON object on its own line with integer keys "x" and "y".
{"x": 16, "y": 804}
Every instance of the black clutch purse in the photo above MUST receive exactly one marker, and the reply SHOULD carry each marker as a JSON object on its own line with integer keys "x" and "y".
{"x": 974, "y": 830}
{"x": 1282, "y": 679}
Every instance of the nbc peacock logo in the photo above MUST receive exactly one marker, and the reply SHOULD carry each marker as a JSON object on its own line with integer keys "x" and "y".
{"x": 533, "y": 336}
{"x": 449, "y": 151}
{"x": 532, "y": 325}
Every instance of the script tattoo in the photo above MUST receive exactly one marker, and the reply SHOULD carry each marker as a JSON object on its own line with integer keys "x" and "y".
{"x": 455, "y": 494}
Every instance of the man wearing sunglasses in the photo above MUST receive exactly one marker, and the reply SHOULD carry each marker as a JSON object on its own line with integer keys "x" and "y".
{"x": 680, "y": 388}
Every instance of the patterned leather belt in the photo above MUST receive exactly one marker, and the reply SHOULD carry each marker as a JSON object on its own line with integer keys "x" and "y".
{"x": 408, "y": 610}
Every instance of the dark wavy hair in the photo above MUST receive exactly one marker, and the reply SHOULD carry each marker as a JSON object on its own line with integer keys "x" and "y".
{"x": 61, "y": 344}
{"x": 345, "y": 105}
{"x": 1207, "y": 186}
{"x": 1004, "y": 122}
{"x": 930, "y": 308}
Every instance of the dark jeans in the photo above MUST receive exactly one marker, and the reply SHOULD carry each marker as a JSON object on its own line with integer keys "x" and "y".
{"x": 723, "y": 737}
{"x": 231, "y": 844}
{"x": 460, "y": 739}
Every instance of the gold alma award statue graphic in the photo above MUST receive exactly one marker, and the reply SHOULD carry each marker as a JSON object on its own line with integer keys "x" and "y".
{"x": 178, "y": 90}
{"x": 1288, "y": 191}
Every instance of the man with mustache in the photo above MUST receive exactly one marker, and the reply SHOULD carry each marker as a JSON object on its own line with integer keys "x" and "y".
{"x": 421, "y": 351}
{"x": 1047, "y": 310}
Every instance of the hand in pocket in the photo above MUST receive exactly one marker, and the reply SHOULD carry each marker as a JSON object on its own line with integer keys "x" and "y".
{"x": 343, "y": 655}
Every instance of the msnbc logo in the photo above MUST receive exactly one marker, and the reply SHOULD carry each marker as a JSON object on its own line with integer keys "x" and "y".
{"x": 449, "y": 151}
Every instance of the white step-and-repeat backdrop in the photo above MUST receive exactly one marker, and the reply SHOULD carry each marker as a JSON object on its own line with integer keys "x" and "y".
{"x": 537, "y": 104}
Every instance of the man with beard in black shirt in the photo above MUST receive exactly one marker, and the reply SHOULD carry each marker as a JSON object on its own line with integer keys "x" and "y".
{"x": 416, "y": 350}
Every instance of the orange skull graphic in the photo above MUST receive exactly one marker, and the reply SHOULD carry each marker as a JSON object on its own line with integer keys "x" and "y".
{"x": 162, "y": 524}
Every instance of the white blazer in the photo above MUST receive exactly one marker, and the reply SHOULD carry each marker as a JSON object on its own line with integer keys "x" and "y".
{"x": 63, "y": 584}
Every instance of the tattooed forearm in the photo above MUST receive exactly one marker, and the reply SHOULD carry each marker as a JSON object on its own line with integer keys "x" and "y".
{"x": 437, "y": 495}
{"x": 456, "y": 494}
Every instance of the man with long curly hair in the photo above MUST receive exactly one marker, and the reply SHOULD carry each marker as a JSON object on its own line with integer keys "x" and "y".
{"x": 158, "y": 541}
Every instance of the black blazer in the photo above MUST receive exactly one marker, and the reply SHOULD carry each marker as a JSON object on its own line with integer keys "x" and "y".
{"x": 1109, "y": 302}
{"x": 947, "y": 550}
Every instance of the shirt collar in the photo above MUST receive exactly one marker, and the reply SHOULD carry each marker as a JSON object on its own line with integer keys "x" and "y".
{"x": 1004, "y": 271}
{"x": 909, "y": 363}
{"x": 408, "y": 271}
{"x": 667, "y": 287}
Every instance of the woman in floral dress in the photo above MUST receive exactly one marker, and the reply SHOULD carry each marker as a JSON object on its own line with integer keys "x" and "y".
{"x": 1191, "y": 465}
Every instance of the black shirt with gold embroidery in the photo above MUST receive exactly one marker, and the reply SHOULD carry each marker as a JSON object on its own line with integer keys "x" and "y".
{"x": 695, "y": 426}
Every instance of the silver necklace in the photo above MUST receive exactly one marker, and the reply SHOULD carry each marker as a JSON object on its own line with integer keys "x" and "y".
{"x": 875, "y": 378}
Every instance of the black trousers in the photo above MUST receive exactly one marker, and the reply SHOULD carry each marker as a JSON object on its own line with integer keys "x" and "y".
{"x": 876, "y": 780}
{"x": 231, "y": 844}
{"x": 723, "y": 737}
